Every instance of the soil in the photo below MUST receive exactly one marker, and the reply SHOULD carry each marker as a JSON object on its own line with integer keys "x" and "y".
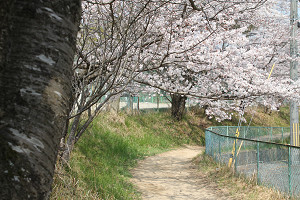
{"x": 172, "y": 175}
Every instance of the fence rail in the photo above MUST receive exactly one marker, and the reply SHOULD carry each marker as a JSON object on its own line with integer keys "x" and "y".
{"x": 257, "y": 153}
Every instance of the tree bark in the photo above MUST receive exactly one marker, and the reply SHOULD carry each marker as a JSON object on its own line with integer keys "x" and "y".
{"x": 178, "y": 106}
{"x": 37, "y": 45}
{"x": 114, "y": 105}
{"x": 138, "y": 104}
{"x": 157, "y": 102}
{"x": 71, "y": 139}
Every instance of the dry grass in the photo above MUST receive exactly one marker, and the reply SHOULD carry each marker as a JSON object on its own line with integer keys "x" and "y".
{"x": 143, "y": 135}
{"x": 275, "y": 118}
{"x": 100, "y": 163}
{"x": 238, "y": 187}
{"x": 67, "y": 187}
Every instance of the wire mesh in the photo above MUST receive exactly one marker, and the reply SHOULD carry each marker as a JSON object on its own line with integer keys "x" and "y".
{"x": 258, "y": 152}
{"x": 146, "y": 98}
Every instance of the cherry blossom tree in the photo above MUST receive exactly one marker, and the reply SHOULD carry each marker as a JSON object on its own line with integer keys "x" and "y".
{"x": 112, "y": 38}
{"x": 227, "y": 56}
{"x": 213, "y": 51}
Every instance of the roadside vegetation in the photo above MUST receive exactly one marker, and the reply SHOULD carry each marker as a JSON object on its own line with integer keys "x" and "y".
{"x": 99, "y": 167}
{"x": 238, "y": 187}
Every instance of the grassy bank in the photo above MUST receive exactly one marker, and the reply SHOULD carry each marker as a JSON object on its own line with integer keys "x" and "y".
{"x": 236, "y": 187}
{"x": 100, "y": 164}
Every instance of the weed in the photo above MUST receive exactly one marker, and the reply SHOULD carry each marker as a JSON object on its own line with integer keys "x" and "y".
{"x": 237, "y": 185}
{"x": 100, "y": 163}
{"x": 102, "y": 159}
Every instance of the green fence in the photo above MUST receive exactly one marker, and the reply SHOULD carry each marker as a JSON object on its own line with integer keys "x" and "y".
{"x": 256, "y": 153}
{"x": 147, "y": 98}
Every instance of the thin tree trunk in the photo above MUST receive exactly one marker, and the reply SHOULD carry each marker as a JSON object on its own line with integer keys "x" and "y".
{"x": 118, "y": 104}
{"x": 131, "y": 104}
{"x": 71, "y": 139}
{"x": 63, "y": 139}
{"x": 114, "y": 105}
{"x": 157, "y": 102}
{"x": 138, "y": 104}
{"x": 37, "y": 45}
{"x": 178, "y": 106}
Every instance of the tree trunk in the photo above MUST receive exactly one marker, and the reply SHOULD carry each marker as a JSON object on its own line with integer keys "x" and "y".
{"x": 178, "y": 106}
{"x": 267, "y": 110}
{"x": 114, "y": 105}
{"x": 131, "y": 105}
{"x": 37, "y": 45}
{"x": 157, "y": 102}
{"x": 138, "y": 105}
{"x": 71, "y": 139}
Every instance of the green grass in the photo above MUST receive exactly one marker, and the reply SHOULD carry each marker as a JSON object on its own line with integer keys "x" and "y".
{"x": 100, "y": 164}
{"x": 102, "y": 159}
{"x": 278, "y": 118}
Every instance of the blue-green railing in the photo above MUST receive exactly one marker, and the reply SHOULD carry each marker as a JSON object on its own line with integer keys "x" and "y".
{"x": 147, "y": 98}
{"x": 257, "y": 153}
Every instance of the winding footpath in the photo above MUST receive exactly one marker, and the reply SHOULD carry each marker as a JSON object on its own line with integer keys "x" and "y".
{"x": 172, "y": 175}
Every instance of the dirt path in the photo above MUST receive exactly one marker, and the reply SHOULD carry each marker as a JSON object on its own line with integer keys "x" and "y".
{"x": 171, "y": 175}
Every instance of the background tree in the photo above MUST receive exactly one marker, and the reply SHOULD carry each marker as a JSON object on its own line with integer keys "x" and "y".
{"x": 227, "y": 56}
{"x": 213, "y": 51}
{"x": 37, "y": 45}
{"x": 112, "y": 38}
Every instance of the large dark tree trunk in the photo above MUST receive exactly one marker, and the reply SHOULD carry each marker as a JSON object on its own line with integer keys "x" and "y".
{"x": 37, "y": 45}
{"x": 178, "y": 106}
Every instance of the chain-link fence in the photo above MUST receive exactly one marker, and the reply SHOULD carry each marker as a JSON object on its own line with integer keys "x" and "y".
{"x": 254, "y": 152}
{"x": 145, "y": 101}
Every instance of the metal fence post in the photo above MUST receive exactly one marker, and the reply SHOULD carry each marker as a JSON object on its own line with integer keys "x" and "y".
{"x": 289, "y": 173}
{"x": 205, "y": 133}
{"x": 208, "y": 141}
{"x": 282, "y": 134}
{"x": 271, "y": 133}
{"x": 244, "y": 134}
{"x": 227, "y": 139}
{"x": 235, "y": 161}
{"x": 212, "y": 145}
{"x": 219, "y": 149}
{"x": 257, "y": 144}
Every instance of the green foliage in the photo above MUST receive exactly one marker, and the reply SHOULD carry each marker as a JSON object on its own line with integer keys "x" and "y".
{"x": 102, "y": 159}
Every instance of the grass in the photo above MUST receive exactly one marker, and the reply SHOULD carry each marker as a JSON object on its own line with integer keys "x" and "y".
{"x": 100, "y": 164}
{"x": 237, "y": 187}
{"x": 278, "y": 118}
